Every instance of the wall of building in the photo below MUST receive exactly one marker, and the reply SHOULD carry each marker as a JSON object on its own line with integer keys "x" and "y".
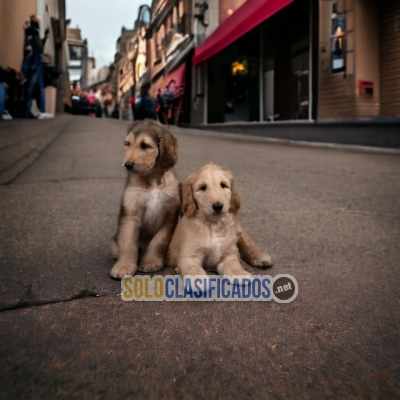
{"x": 64, "y": 85}
{"x": 390, "y": 58}
{"x": 91, "y": 71}
{"x": 366, "y": 52}
{"x": 340, "y": 97}
{"x": 12, "y": 17}
{"x": 227, "y": 8}
{"x": 45, "y": 10}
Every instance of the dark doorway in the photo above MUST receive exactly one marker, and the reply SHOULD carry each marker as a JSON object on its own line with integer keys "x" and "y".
{"x": 291, "y": 35}
{"x": 233, "y": 81}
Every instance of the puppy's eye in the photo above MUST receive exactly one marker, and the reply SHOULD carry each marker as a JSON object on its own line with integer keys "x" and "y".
{"x": 144, "y": 146}
{"x": 203, "y": 188}
{"x": 126, "y": 143}
{"x": 224, "y": 185}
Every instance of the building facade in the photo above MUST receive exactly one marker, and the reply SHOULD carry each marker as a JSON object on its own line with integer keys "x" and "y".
{"x": 237, "y": 61}
{"x": 123, "y": 77}
{"x": 170, "y": 45}
{"x": 338, "y": 61}
{"x": 78, "y": 65}
{"x": 127, "y": 72}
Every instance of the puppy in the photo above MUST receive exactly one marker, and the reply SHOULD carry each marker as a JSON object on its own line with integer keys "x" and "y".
{"x": 151, "y": 200}
{"x": 208, "y": 235}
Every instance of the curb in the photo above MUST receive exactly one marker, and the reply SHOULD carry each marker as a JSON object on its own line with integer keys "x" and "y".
{"x": 287, "y": 142}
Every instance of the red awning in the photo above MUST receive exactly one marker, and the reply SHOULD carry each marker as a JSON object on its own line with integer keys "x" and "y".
{"x": 174, "y": 83}
{"x": 245, "y": 18}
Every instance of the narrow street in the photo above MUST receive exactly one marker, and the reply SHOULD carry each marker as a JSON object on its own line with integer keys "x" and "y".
{"x": 329, "y": 218}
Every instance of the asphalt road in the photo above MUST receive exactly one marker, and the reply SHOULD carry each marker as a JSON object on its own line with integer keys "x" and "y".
{"x": 329, "y": 218}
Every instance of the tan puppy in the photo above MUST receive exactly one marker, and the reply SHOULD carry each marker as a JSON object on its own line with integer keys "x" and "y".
{"x": 151, "y": 200}
{"x": 208, "y": 235}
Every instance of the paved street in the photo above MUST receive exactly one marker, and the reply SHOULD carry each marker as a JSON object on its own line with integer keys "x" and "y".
{"x": 329, "y": 218}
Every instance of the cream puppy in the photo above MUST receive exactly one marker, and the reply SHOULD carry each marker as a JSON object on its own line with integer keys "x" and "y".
{"x": 208, "y": 235}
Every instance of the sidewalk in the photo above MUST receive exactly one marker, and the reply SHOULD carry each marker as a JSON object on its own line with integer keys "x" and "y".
{"x": 261, "y": 137}
{"x": 22, "y": 141}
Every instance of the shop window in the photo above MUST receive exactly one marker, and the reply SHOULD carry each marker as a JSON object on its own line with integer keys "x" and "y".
{"x": 338, "y": 40}
{"x": 75, "y": 52}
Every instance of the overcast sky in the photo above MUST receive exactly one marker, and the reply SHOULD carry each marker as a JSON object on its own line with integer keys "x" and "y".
{"x": 101, "y": 22}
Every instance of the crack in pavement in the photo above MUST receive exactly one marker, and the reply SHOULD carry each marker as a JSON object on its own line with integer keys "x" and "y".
{"x": 69, "y": 180}
{"x": 26, "y": 303}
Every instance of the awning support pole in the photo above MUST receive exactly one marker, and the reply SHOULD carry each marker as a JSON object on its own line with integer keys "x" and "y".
{"x": 310, "y": 66}
{"x": 205, "y": 72}
{"x": 261, "y": 83}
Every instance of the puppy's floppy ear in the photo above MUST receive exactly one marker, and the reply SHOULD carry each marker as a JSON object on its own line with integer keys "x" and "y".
{"x": 235, "y": 199}
{"x": 167, "y": 150}
{"x": 188, "y": 202}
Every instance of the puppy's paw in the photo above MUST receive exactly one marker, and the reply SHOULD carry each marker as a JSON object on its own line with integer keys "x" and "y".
{"x": 122, "y": 268}
{"x": 151, "y": 264}
{"x": 260, "y": 260}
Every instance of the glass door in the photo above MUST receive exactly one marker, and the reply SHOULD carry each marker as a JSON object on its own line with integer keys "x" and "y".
{"x": 300, "y": 77}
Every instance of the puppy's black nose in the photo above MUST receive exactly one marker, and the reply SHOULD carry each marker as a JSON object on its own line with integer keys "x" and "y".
{"x": 217, "y": 207}
{"x": 129, "y": 165}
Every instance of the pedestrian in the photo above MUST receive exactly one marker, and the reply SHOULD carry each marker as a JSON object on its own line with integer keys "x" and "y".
{"x": 99, "y": 105}
{"x": 32, "y": 65}
{"x": 132, "y": 103}
{"x": 145, "y": 106}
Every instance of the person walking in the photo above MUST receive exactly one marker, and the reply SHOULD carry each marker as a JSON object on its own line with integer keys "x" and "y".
{"x": 32, "y": 65}
{"x": 144, "y": 106}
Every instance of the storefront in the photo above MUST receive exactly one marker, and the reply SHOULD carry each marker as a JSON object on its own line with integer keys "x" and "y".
{"x": 300, "y": 60}
{"x": 264, "y": 74}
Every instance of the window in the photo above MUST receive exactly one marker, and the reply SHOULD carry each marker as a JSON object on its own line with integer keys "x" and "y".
{"x": 338, "y": 40}
{"x": 144, "y": 14}
{"x": 75, "y": 63}
{"x": 75, "y": 52}
{"x": 160, "y": 36}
